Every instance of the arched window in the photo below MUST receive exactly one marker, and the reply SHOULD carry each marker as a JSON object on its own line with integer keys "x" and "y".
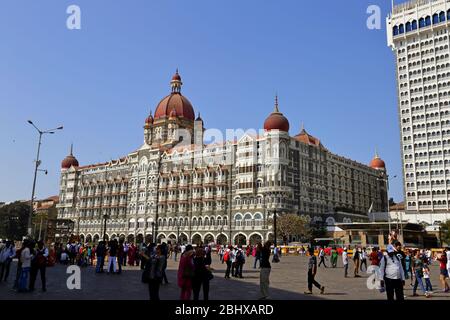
{"x": 421, "y": 22}
{"x": 248, "y": 220}
{"x": 408, "y": 27}
{"x": 395, "y": 31}
{"x": 401, "y": 29}
{"x": 448, "y": 14}
{"x": 414, "y": 25}
{"x": 427, "y": 20}
{"x": 238, "y": 220}
{"x": 435, "y": 18}
{"x": 442, "y": 16}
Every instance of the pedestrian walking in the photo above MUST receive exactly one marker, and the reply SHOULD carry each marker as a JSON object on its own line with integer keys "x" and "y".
{"x": 264, "y": 270}
{"x": 345, "y": 261}
{"x": 202, "y": 274}
{"x": 363, "y": 260}
{"x": 322, "y": 257}
{"x": 7, "y": 254}
{"x": 392, "y": 275}
{"x": 25, "y": 258}
{"x": 443, "y": 272}
{"x": 186, "y": 273}
{"x": 101, "y": 253}
{"x": 240, "y": 261}
{"x": 39, "y": 264}
{"x": 356, "y": 261}
{"x": 227, "y": 257}
{"x": 112, "y": 254}
{"x": 418, "y": 274}
{"x": 312, "y": 271}
{"x": 152, "y": 273}
{"x": 164, "y": 257}
{"x": 426, "y": 276}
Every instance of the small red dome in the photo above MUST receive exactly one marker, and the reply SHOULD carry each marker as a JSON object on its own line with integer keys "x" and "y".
{"x": 176, "y": 77}
{"x": 377, "y": 163}
{"x": 69, "y": 161}
{"x": 149, "y": 120}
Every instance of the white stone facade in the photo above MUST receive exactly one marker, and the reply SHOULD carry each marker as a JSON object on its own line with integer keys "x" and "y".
{"x": 213, "y": 193}
{"x": 418, "y": 33}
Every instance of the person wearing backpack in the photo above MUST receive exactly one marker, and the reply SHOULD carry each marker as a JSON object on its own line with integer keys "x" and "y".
{"x": 240, "y": 261}
{"x": 392, "y": 275}
{"x": 39, "y": 264}
{"x": 227, "y": 259}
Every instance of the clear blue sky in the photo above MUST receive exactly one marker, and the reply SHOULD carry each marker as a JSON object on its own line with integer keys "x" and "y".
{"x": 330, "y": 71}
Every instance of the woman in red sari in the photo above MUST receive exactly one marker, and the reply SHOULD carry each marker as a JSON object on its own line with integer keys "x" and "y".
{"x": 186, "y": 273}
{"x": 131, "y": 254}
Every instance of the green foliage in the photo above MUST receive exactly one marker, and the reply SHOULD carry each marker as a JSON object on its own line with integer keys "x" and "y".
{"x": 445, "y": 232}
{"x": 13, "y": 220}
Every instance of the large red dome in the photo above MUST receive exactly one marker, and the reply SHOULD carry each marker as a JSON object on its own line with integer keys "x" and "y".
{"x": 70, "y": 160}
{"x": 175, "y": 101}
{"x": 377, "y": 163}
{"x": 276, "y": 120}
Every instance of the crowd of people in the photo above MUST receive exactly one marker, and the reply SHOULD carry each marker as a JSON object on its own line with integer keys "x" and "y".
{"x": 392, "y": 267}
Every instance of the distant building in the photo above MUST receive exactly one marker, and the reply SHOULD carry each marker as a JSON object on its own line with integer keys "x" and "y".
{"x": 44, "y": 219}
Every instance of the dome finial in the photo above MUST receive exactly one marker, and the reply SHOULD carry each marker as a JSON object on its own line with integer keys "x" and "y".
{"x": 276, "y": 104}
{"x": 376, "y": 153}
{"x": 71, "y": 149}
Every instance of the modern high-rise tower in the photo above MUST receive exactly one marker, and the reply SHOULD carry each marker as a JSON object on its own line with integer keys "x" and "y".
{"x": 418, "y": 33}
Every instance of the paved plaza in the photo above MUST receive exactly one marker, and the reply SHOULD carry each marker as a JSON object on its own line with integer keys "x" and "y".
{"x": 288, "y": 282}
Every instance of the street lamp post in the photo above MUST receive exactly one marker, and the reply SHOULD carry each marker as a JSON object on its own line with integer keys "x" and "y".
{"x": 178, "y": 232}
{"x": 275, "y": 228}
{"x": 36, "y": 169}
{"x": 105, "y": 216}
{"x": 153, "y": 232}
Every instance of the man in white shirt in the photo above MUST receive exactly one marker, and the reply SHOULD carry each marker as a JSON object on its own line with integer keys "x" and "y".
{"x": 392, "y": 274}
{"x": 345, "y": 261}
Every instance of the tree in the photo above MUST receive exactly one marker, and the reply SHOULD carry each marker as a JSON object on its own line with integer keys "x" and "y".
{"x": 445, "y": 232}
{"x": 13, "y": 220}
{"x": 292, "y": 225}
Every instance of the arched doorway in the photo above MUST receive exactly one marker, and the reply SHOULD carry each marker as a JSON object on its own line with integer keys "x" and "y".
{"x": 96, "y": 238}
{"x": 172, "y": 238}
{"x": 240, "y": 239}
{"x": 197, "y": 239}
{"x": 161, "y": 238}
{"x": 255, "y": 239}
{"x": 89, "y": 238}
{"x": 148, "y": 238}
{"x": 130, "y": 238}
{"x": 114, "y": 236}
{"x": 139, "y": 238}
{"x": 106, "y": 237}
{"x": 222, "y": 239}
{"x": 122, "y": 238}
{"x": 209, "y": 238}
{"x": 82, "y": 238}
{"x": 183, "y": 238}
